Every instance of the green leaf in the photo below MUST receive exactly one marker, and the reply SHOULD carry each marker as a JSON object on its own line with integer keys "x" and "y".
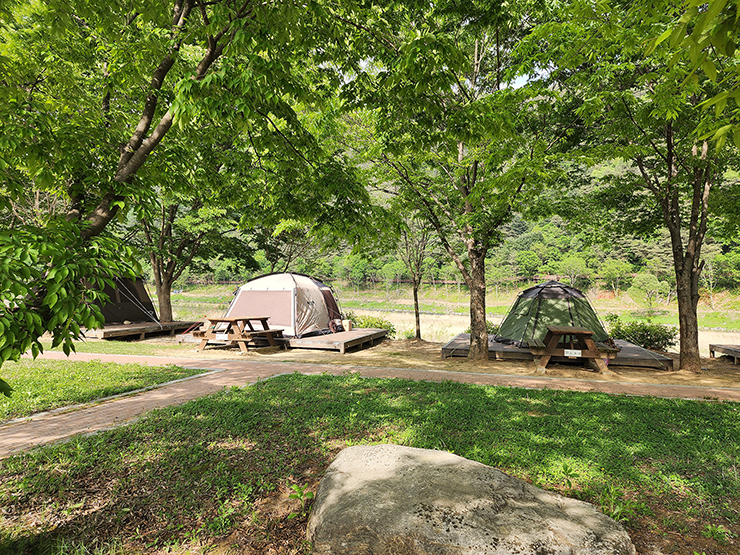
{"x": 5, "y": 388}
{"x": 722, "y": 131}
{"x": 710, "y": 69}
{"x": 676, "y": 35}
{"x": 654, "y": 44}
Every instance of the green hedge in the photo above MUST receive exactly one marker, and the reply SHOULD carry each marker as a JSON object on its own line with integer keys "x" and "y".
{"x": 370, "y": 322}
{"x": 656, "y": 337}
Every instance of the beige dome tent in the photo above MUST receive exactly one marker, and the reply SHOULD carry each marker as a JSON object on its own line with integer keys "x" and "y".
{"x": 299, "y": 304}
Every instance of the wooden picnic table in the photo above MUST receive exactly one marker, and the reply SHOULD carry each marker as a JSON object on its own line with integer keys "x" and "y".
{"x": 578, "y": 344}
{"x": 240, "y": 330}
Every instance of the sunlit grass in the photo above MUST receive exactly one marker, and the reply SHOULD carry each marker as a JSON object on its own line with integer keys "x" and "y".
{"x": 46, "y": 384}
{"x": 195, "y": 471}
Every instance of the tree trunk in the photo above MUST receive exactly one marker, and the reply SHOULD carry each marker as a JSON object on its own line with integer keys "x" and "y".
{"x": 416, "y": 308}
{"x": 687, "y": 289}
{"x": 686, "y": 256}
{"x": 477, "y": 285}
{"x": 164, "y": 292}
{"x": 163, "y": 286}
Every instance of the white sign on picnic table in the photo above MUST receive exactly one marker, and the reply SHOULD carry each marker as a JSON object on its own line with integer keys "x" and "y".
{"x": 571, "y": 352}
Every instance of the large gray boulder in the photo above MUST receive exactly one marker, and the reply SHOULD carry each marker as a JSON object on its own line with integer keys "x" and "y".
{"x": 395, "y": 500}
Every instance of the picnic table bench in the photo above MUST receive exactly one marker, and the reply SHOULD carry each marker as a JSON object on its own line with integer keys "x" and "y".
{"x": 240, "y": 330}
{"x": 578, "y": 344}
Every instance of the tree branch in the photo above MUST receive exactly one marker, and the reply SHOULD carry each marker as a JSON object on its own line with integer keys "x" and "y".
{"x": 631, "y": 116}
{"x": 284, "y": 137}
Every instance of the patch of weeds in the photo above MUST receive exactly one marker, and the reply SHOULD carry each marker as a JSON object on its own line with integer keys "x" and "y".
{"x": 614, "y": 505}
{"x": 408, "y": 334}
{"x": 66, "y": 547}
{"x": 245, "y": 492}
{"x": 569, "y": 474}
{"x": 360, "y": 321}
{"x": 718, "y": 533}
{"x": 223, "y": 521}
{"x": 302, "y": 494}
{"x": 672, "y": 524}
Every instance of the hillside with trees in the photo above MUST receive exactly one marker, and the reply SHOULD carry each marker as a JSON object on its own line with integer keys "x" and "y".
{"x": 531, "y": 140}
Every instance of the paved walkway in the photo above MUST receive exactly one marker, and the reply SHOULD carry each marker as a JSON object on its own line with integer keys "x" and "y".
{"x": 62, "y": 424}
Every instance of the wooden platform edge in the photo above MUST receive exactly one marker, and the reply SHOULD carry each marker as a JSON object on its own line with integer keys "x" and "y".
{"x": 141, "y": 329}
{"x": 459, "y": 345}
{"x": 326, "y": 343}
{"x": 732, "y": 351}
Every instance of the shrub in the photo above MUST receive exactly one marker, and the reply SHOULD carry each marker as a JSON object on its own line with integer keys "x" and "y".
{"x": 370, "y": 322}
{"x": 656, "y": 337}
{"x": 409, "y": 334}
{"x": 490, "y": 326}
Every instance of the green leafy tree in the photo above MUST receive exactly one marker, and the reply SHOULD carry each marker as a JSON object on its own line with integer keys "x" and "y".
{"x": 448, "y": 136}
{"x": 615, "y": 271}
{"x": 636, "y": 108}
{"x": 181, "y": 230}
{"x": 416, "y": 239}
{"x": 50, "y": 281}
{"x": 499, "y": 275}
{"x": 91, "y": 90}
{"x": 283, "y": 247}
{"x": 358, "y": 269}
{"x": 728, "y": 268}
{"x": 573, "y": 267}
{"x": 529, "y": 263}
{"x": 704, "y": 35}
{"x": 450, "y": 273}
{"x": 646, "y": 290}
{"x": 709, "y": 272}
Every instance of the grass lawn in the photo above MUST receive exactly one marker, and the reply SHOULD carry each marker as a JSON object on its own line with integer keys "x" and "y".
{"x": 122, "y": 347}
{"x": 46, "y": 384}
{"x": 216, "y": 471}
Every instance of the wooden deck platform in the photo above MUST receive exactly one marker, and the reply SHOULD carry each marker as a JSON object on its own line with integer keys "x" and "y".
{"x": 342, "y": 341}
{"x": 628, "y": 355}
{"x": 729, "y": 350}
{"x": 140, "y": 329}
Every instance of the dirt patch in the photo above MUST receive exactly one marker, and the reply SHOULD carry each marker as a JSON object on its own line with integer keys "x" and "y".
{"x": 426, "y": 355}
{"x": 409, "y": 353}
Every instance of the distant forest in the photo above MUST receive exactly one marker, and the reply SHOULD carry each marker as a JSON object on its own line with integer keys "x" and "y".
{"x": 528, "y": 250}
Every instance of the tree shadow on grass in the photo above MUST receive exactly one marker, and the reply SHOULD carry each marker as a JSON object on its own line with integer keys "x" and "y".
{"x": 196, "y": 470}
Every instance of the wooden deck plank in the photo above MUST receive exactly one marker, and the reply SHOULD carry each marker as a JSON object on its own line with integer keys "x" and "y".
{"x": 628, "y": 355}
{"x": 142, "y": 329}
{"x": 340, "y": 341}
{"x": 729, "y": 350}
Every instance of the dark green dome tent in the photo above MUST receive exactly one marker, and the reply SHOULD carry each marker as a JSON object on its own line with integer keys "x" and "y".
{"x": 548, "y": 304}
